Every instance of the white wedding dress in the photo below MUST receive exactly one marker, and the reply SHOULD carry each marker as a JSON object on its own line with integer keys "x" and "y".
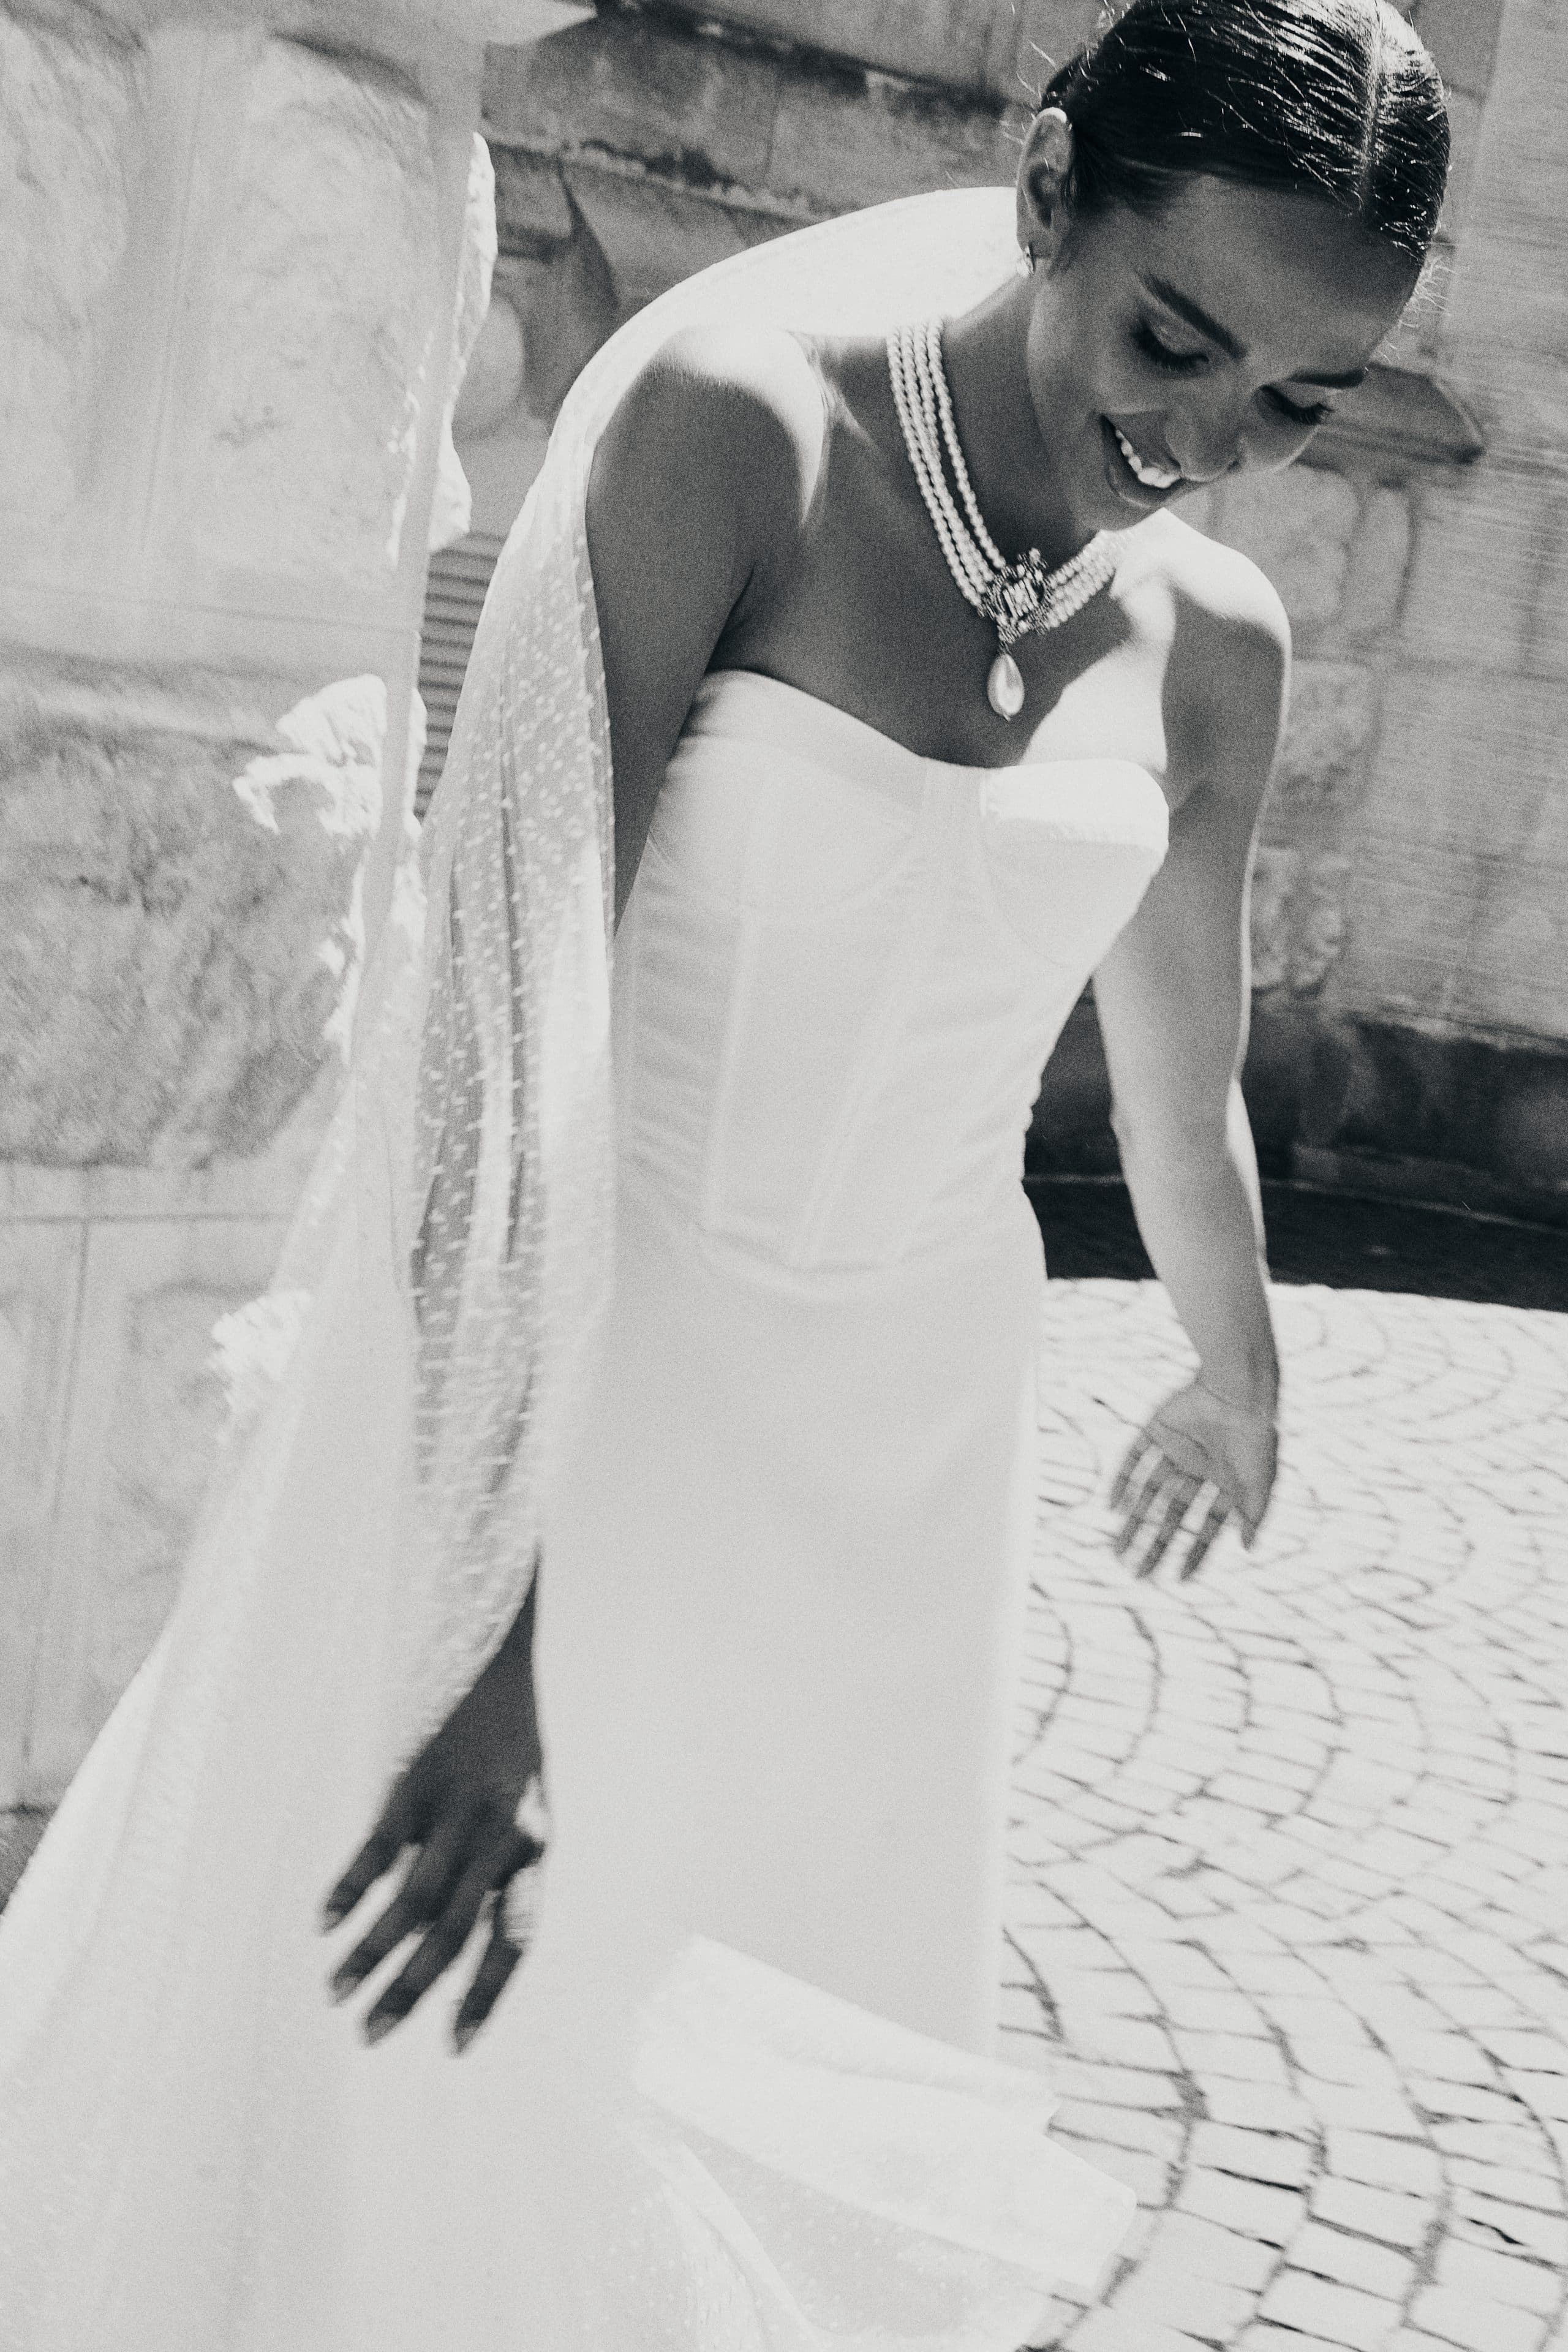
{"x": 742, "y": 2094}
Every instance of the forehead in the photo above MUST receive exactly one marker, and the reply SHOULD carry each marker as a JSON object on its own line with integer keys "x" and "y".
{"x": 1289, "y": 275}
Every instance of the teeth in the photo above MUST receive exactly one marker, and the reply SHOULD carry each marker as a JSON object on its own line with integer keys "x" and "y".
{"x": 1155, "y": 477}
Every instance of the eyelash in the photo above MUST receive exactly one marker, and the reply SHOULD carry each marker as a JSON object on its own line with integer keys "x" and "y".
{"x": 1186, "y": 362}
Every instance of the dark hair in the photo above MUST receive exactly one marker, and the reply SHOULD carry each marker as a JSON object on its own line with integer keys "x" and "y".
{"x": 1335, "y": 98}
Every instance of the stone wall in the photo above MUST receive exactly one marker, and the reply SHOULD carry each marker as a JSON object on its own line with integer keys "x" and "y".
{"x": 1411, "y": 1022}
{"x": 245, "y": 254}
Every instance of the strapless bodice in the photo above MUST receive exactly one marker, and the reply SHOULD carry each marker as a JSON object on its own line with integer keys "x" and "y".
{"x": 842, "y": 969}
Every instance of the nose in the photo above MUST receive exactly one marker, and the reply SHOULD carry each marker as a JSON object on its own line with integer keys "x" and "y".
{"x": 1208, "y": 446}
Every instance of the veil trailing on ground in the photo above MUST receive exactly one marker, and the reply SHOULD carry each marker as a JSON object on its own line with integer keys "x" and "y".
{"x": 480, "y": 1088}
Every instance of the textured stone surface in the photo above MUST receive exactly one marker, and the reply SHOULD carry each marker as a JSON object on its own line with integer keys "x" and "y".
{"x": 1460, "y": 850}
{"x": 69, "y": 92}
{"x": 138, "y": 1447}
{"x": 948, "y": 41}
{"x": 1462, "y": 36}
{"x": 1332, "y": 708}
{"x": 40, "y": 1278}
{"x": 832, "y": 148}
{"x": 1486, "y": 545}
{"x": 179, "y": 935}
{"x": 1286, "y": 1924}
{"x": 1285, "y": 1919}
{"x": 1298, "y": 917}
{"x": 1297, "y": 526}
{"x": 1379, "y": 561}
{"x": 303, "y": 446}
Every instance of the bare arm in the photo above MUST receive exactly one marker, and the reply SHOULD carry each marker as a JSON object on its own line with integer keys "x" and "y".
{"x": 1172, "y": 996}
{"x": 695, "y": 494}
{"x": 699, "y": 490}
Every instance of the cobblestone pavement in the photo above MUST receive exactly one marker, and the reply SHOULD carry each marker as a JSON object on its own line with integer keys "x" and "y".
{"x": 1289, "y": 1921}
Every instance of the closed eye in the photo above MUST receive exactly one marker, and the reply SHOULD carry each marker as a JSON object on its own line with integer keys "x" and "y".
{"x": 1174, "y": 362}
{"x": 1316, "y": 413}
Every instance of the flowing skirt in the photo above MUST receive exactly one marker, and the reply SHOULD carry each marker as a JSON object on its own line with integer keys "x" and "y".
{"x": 741, "y": 2094}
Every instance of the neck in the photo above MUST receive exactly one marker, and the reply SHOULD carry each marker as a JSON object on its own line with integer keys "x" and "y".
{"x": 985, "y": 353}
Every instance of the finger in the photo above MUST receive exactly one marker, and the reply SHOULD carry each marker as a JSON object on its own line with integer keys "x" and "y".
{"x": 1145, "y": 1500}
{"x": 447, "y": 1855}
{"x": 436, "y": 1951}
{"x": 373, "y": 1860}
{"x": 1141, "y": 1445}
{"x": 1139, "y": 1485}
{"x": 403, "y": 1820}
{"x": 1218, "y": 1513}
{"x": 500, "y": 1957}
{"x": 1180, "y": 1494}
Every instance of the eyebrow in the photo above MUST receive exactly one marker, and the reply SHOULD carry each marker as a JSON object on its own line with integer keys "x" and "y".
{"x": 1195, "y": 316}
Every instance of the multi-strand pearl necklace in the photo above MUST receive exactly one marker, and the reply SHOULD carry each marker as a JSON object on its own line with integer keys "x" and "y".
{"x": 1018, "y": 599}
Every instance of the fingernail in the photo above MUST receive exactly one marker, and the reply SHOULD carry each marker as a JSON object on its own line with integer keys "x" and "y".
{"x": 331, "y": 1916}
{"x": 464, "y": 2032}
{"x": 342, "y": 1986}
{"x": 378, "y": 2028}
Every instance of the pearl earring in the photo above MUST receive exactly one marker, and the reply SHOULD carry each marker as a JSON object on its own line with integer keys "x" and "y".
{"x": 1026, "y": 261}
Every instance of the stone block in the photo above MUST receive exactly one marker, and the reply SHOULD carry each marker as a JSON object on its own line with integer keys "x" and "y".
{"x": 1462, "y": 36}
{"x": 639, "y": 89}
{"x": 69, "y": 96}
{"x": 1333, "y": 707}
{"x": 568, "y": 306}
{"x": 139, "y": 1448}
{"x": 1379, "y": 562}
{"x": 533, "y": 213}
{"x": 1521, "y": 183}
{"x": 1485, "y": 542}
{"x": 1504, "y": 346}
{"x": 1298, "y": 917}
{"x": 301, "y": 441}
{"x": 1297, "y": 527}
{"x": 836, "y": 148}
{"x": 180, "y": 915}
{"x": 1471, "y": 766}
{"x": 938, "y": 40}
{"x": 651, "y": 233}
{"x": 40, "y": 1287}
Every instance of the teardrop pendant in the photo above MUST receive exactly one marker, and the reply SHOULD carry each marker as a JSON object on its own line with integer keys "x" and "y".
{"x": 1005, "y": 687}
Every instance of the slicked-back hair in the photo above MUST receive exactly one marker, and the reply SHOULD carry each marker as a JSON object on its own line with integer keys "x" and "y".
{"x": 1336, "y": 99}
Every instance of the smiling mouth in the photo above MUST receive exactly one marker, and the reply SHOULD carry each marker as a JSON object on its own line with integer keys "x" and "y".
{"x": 1153, "y": 477}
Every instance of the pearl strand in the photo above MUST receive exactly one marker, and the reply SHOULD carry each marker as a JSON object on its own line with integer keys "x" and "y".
{"x": 1018, "y": 599}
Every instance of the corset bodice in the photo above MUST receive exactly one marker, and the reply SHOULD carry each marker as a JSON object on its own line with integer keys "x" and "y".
{"x": 843, "y": 968}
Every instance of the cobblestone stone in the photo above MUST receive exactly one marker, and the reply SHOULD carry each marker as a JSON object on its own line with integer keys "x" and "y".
{"x": 1296, "y": 1832}
{"x": 1287, "y": 1919}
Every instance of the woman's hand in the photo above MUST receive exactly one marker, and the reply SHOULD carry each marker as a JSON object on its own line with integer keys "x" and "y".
{"x": 1196, "y": 1440}
{"x": 458, "y": 1803}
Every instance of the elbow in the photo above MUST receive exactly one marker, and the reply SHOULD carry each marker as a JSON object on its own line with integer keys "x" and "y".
{"x": 1187, "y": 1146}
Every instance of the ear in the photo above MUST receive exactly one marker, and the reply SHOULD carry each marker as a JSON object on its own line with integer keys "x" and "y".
{"x": 1043, "y": 174}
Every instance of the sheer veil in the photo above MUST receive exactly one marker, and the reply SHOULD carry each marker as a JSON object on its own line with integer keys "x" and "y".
{"x": 757, "y": 2149}
{"x": 479, "y": 1097}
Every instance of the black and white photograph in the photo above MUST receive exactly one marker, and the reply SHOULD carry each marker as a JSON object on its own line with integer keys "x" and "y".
{"x": 784, "y": 1176}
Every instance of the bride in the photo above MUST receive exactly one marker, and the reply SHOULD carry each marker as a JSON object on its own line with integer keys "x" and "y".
{"x": 851, "y": 612}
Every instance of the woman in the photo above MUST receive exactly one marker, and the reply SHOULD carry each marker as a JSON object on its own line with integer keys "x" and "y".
{"x": 885, "y": 783}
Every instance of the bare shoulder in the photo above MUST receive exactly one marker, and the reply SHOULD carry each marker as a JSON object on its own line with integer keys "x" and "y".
{"x": 1229, "y": 668}
{"x": 736, "y": 414}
